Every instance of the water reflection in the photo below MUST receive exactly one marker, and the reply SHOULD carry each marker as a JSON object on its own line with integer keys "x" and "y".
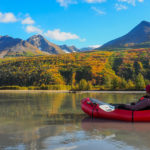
{"x": 131, "y": 134}
{"x": 40, "y": 120}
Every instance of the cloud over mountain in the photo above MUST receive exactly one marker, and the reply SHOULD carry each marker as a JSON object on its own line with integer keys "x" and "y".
{"x": 33, "y": 29}
{"x": 60, "y": 36}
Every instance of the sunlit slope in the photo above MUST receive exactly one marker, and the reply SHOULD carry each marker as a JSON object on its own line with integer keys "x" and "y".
{"x": 54, "y": 69}
{"x": 109, "y": 69}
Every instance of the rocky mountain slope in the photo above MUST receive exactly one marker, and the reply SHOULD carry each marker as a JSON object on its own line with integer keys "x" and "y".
{"x": 17, "y": 47}
{"x": 137, "y": 36}
{"x": 44, "y": 45}
{"x": 69, "y": 49}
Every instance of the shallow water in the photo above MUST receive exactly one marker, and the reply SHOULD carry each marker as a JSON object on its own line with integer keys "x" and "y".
{"x": 55, "y": 121}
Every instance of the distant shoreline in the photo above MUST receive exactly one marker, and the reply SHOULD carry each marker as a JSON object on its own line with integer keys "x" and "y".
{"x": 65, "y": 91}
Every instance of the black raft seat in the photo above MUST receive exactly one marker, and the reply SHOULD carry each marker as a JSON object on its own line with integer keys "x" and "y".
{"x": 121, "y": 106}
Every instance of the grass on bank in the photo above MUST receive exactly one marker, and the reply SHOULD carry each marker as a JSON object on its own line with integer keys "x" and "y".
{"x": 67, "y": 87}
{"x": 42, "y": 87}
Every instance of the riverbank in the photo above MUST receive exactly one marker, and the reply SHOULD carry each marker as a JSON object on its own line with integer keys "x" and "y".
{"x": 65, "y": 88}
{"x": 65, "y": 91}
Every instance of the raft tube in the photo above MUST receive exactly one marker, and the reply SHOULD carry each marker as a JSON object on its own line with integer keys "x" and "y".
{"x": 94, "y": 108}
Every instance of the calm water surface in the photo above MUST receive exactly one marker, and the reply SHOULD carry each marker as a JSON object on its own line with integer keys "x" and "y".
{"x": 54, "y": 121}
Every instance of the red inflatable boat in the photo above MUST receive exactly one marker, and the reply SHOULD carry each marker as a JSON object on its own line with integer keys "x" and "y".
{"x": 98, "y": 109}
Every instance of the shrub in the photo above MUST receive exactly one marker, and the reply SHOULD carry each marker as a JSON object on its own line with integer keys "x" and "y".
{"x": 83, "y": 85}
{"x": 55, "y": 87}
{"x": 14, "y": 87}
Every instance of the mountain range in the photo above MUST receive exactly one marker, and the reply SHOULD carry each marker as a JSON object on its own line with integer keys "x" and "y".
{"x": 35, "y": 45}
{"x": 138, "y": 37}
{"x": 69, "y": 49}
{"x": 17, "y": 47}
{"x": 44, "y": 45}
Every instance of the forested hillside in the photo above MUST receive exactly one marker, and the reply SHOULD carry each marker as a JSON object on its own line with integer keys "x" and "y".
{"x": 121, "y": 70}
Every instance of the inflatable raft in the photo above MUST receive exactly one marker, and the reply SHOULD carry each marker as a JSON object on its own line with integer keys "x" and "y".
{"x": 99, "y": 109}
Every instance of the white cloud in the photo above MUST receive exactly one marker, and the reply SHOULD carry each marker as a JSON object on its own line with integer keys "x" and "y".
{"x": 65, "y": 3}
{"x": 60, "y": 36}
{"x": 33, "y": 29}
{"x": 7, "y": 17}
{"x": 141, "y": 0}
{"x": 120, "y": 7}
{"x": 28, "y": 20}
{"x": 55, "y": 34}
{"x": 94, "y": 46}
{"x": 100, "y": 12}
{"x": 95, "y": 1}
{"x": 132, "y": 2}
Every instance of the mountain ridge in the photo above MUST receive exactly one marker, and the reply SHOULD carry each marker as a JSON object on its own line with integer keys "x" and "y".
{"x": 44, "y": 45}
{"x": 17, "y": 47}
{"x": 139, "y": 34}
{"x": 69, "y": 49}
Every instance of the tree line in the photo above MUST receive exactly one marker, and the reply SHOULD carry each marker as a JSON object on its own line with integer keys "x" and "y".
{"x": 98, "y": 70}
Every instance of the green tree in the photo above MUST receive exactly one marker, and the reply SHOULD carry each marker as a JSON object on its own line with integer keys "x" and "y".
{"x": 126, "y": 71}
{"x": 107, "y": 81}
{"x": 138, "y": 66}
{"x": 123, "y": 84}
{"x": 84, "y": 72}
{"x": 89, "y": 86}
{"x": 130, "y": 85}
{"x": 115, "y": 83}
{"x": 83, "y": 84}
{"x": 139, "y": 82}
{"x": 147, "y": 82}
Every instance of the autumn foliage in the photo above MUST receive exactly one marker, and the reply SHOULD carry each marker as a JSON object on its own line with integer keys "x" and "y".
{"x": 100, "y": 70}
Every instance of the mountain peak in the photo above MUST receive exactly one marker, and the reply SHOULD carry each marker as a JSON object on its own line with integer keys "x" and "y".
{"x": 144, "y": 23}
{"x": 139, "y": 34}
{"x": 44, "y": 45}
{"x": 10, "y": 46}
{"x": 39, "y": 36}
{"x": 69, "y": 49}
{"x": 6, "y": 36}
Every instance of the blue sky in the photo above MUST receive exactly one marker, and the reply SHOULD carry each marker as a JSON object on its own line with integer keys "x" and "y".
{"x": 73, "y": 22}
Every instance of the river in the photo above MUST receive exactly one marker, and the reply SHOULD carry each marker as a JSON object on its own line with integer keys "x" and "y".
{"x": 38, "y": 120}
